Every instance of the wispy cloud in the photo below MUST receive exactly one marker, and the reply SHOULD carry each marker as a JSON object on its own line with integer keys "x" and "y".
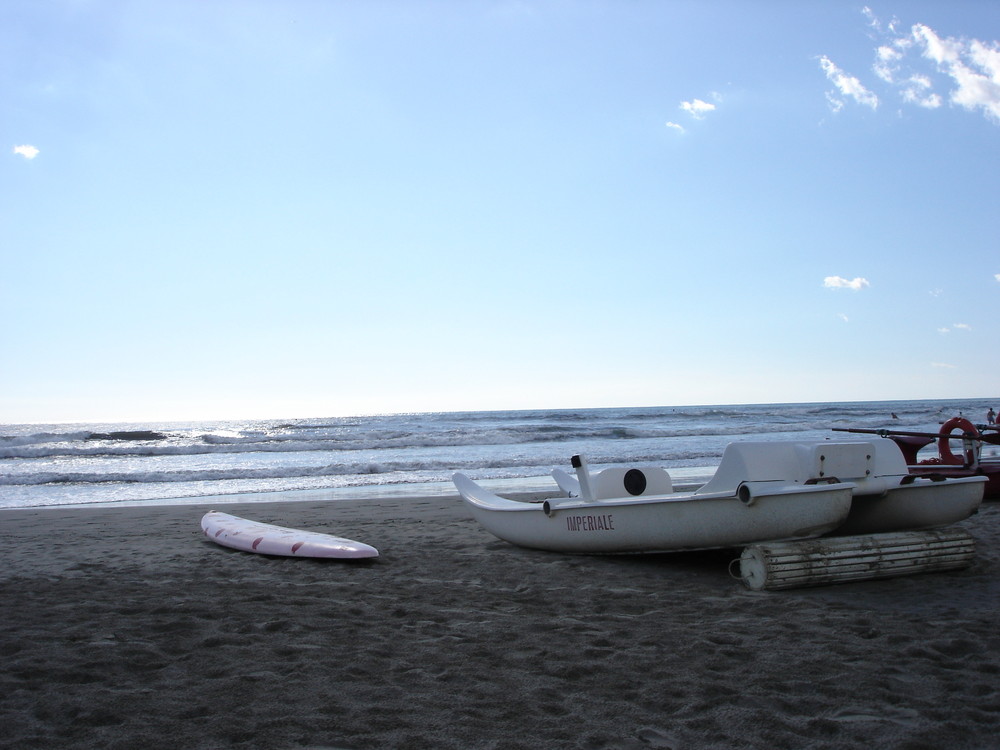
{"x": 955, "y": 327}
{"x": 887, "y": 62}
{"x": 943, "y": 365}
{"x": 697, "y": 108}
{"x": 973, "y": 66}
{"x": 918, "y": 90}
{"x": 875, "y": 22}
{"x": 843, "y": 317}
{"x": 838, "y": 282}
{"x": 918, "y": 61}
{"x": 996, "y": 276}
{"x": 848, "y": 86}
{"x": 28, "y": 152}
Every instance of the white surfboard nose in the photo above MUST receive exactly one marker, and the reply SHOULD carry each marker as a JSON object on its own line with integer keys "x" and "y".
{"x": 267, "y": 539}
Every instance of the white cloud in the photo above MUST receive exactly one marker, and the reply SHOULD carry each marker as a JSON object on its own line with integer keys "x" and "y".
{"x": 944, "y": 330}
{"x": 936, "y": 292}
{"x": 944, "y": 365}
{"x": 847, "y": 85}
{"x": 962, "y": 326}
{"x": 996, "y": 276}
{"x": 918, "y": 60}
{"x": 697, "y": 108}
{"x": 875, "y": 23}
{"x": 925, "y": 68}
{"x": 916, "y": 92}
{"x": 28, "y": 152}
{"x": 838, "y": 282}
{"x": 843, "y": 317}
{"x": 935, "y": 48}
{"x": 886, "y": 59}
{"x": 974, "y": 66}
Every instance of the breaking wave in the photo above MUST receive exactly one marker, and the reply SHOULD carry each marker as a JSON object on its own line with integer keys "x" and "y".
{"x": 90, "y": 463}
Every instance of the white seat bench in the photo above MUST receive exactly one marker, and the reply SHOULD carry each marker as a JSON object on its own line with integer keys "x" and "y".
{"x": 804, "y": 462}
{"x": 621, "y": 482}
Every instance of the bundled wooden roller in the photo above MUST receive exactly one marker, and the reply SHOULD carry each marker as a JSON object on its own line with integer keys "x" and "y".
{"x": 815, "y": 562}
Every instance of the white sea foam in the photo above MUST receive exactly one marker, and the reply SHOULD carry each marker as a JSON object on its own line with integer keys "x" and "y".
{"x": 42, "y": 465}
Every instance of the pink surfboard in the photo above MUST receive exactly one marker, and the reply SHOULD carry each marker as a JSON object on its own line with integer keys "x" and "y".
{"x": 266, "y": 539}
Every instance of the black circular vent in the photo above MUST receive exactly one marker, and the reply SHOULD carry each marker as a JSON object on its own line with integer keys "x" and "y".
{"x": 635, "y": 482}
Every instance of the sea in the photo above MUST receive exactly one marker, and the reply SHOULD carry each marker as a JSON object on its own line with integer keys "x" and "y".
{"x": 409, "y": 454}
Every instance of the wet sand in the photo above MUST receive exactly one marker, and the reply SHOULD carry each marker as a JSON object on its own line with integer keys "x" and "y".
{"x": 125, "y": 628}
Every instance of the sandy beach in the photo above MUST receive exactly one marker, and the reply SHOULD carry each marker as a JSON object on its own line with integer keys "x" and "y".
{"x": 125, "y": 628}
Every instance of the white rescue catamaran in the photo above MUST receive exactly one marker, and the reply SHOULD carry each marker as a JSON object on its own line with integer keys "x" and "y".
{"x": 760, "y": 492}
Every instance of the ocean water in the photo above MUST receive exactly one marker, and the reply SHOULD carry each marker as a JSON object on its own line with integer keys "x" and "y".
{"x": 71, "y": 464}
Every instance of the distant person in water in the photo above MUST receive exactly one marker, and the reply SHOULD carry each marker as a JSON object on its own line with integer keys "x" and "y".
{"x": 991, "y": 416}
{"x": 894, "y": 415}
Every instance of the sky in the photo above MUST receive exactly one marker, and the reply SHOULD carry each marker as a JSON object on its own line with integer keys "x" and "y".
{"x": 242, "y": 209}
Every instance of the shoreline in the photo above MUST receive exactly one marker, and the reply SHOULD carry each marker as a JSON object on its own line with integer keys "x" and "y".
{"x": 515, "y": 487}
{"x": 126, "y": 627}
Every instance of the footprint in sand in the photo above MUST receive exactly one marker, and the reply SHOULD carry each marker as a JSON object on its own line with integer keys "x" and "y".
{"x": 645, "y": 738}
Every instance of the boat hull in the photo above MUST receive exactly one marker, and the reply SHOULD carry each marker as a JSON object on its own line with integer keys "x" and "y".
{"x": 661, "y": 524}
{"x": 988, "y": 469}
{"x": 966, "y": 463}
{"x": 921, "y": 504}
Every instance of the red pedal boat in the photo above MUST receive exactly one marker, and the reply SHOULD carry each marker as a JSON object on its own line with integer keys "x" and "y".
{"x": 967, "y": 462}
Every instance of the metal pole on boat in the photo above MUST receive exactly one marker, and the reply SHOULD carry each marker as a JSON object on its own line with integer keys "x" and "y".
{"x": 583, "y": 476}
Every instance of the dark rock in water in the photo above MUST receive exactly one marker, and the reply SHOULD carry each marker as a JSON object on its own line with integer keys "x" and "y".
{"x": 127, "y": 435}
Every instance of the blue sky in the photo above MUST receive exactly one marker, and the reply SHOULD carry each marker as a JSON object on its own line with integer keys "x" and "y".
{"x": 258, "y": 209}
